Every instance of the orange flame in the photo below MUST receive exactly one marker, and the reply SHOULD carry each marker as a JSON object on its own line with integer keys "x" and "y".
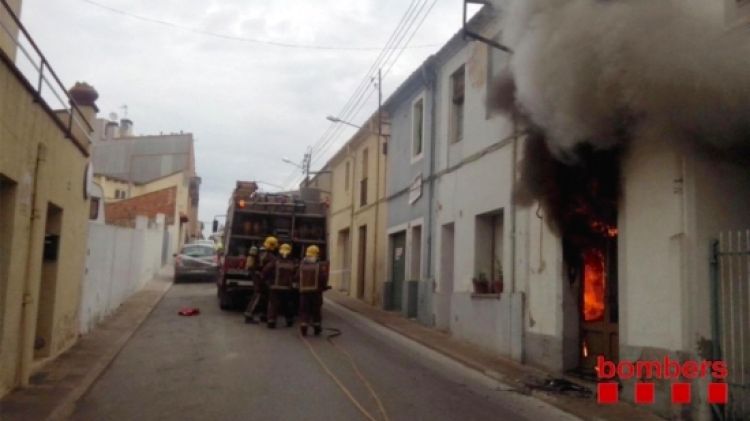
{"x": 593, "y": 285}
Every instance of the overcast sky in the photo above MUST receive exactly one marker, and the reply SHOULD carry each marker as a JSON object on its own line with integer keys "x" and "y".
{"x": 247, "y": 104}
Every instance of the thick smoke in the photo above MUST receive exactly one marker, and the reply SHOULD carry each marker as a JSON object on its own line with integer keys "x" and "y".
{"x": 587, "y": 76}
{"x": 585, "y": 71}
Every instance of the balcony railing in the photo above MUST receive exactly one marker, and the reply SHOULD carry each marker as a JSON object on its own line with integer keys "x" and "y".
{"x": 41, "y": 79}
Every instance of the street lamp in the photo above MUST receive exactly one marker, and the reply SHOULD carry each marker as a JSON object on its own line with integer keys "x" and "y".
{"x": 289, "y": 161}
{"x": 338, "y": 120}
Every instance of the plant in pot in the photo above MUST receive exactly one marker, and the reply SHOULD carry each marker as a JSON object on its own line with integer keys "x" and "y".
{"x": 497, "y": 278}
{"x": 481, "y": 284}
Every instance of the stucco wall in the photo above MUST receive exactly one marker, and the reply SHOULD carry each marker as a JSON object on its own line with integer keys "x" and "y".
{"x": 119, "y": 262}
{"x": 475, "y": 177}
{"x": 27, "y": 136}
{"x": 404, "y": 167}
{"x": 348, "y": 213}
{"x": 6, "y": 43}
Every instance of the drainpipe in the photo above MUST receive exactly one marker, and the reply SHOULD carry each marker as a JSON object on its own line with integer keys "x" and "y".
{"x": 27, "y": 306}
{"x": 353, "y": 157}
{"x": 431, "y": 79}
{"x": 380, "y": 150}
{"x": 512, "y": 206}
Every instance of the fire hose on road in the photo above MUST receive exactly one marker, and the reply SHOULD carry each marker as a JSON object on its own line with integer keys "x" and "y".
{"x": 334, "y": 333}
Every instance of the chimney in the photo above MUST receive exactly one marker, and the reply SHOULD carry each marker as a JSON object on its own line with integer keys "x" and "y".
{"x": 110, "y": 130}
{"x": 84, "y": 96}
{"x": 126, "y": 127}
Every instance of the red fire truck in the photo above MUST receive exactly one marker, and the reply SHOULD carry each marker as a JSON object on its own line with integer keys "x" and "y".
{"x": 296, "y": 218}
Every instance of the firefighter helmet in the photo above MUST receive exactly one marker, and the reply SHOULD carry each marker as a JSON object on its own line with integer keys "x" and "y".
{"x": 271, "y": 243}
{"x": 285, "y": 250}
{"x": 312, "y": 251}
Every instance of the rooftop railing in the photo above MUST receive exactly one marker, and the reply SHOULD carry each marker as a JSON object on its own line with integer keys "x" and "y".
{"x": 42, "y": 80}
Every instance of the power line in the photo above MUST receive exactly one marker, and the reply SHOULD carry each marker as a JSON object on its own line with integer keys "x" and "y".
{"x": 355, "y": 108}
{"x": 354, "y": 100}
{"x": 390, "y": 67}
{"x": 363, "y": 93}
{"x": 365, "y": 81}
{"x": 272, "y": 43}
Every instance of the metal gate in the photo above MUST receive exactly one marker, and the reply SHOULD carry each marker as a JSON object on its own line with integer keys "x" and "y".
{"x": 731, "y": 317}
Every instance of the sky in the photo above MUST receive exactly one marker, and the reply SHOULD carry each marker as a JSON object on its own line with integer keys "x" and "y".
{"x": 247, "y": 104}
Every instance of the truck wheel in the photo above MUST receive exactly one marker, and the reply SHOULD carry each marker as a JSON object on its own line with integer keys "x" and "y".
{"x": 225, "y": 300}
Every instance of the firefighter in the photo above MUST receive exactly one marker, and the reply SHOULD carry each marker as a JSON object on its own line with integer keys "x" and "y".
{"x": 252, "y": 263}
{"x": 279, "y": 275}
{"x": 313, "y": 280}
{"x": 257, "y": 306}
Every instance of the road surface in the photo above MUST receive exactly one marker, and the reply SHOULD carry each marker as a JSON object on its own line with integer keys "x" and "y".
{"x": 215, "y": 367}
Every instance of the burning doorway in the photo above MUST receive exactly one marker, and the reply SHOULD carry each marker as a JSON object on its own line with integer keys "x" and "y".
{"x": 599, "y": 333}
{"x": 579, "y": 199}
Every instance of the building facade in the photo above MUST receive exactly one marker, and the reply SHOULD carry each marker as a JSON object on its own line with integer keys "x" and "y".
{"x": 649, "y": 281}
{"x": 409, "y": 278}
{"x": 44, "y": 212}
{"x": 357, "y": 215}
{"x": 138, "y": 172}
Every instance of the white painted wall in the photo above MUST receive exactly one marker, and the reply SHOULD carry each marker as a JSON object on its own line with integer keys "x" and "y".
{"x": 474, "y": 186}
{"x": 119, "y": 262}
{"x": 674, "y": 204}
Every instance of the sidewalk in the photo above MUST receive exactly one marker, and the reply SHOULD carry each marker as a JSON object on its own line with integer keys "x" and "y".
{"x": 55, "y": 389}
{"x": 505, "y": 371}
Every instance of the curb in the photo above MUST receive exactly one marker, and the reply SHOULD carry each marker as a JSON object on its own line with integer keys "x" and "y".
{"x": 66, "y": 408}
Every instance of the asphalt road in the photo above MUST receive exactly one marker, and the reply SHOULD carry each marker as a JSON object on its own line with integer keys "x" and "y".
{"x": 215, "y": 367}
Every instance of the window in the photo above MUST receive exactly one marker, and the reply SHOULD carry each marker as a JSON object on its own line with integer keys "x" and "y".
{"x": 364, "y": 163}
{"x": 496, "y": 63}
{"x": 94, "y": 209}
{"x": 488, "y": 245}
{"x": 417, "y": 115}
{"x": 363, "y": 192}
{"x": 346, "y": 177}
{"x": 363, "y": 181}
{"x": 120, "y": 194}
{"x": 457, "y": 105}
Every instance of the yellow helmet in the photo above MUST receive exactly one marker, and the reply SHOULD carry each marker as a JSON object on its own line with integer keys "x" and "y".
{"x": 312, "y": 251}
{"x": 285, "y": 250}
{"x": 271, "y": 243}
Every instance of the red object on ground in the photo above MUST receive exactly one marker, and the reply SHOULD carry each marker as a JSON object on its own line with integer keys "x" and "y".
{"x": 189, "y": 311}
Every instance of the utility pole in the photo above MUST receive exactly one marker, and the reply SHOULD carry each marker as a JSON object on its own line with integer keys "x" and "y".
{"x": 380, "y": 112}
{"x": 306, "y": 165}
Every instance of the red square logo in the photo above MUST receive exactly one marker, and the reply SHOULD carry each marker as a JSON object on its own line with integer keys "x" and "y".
{"x": 718, "y": 393}
{"x": 681, "y": 393}
{"x": 644, "y": 393}
{"x": 607, "y": 393}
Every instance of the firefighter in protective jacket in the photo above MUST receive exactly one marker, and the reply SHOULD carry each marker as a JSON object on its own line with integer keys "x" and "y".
{"x": 258, "y": 304}
{"x": 279, "y": 275}
{"x": 313, "y": 280}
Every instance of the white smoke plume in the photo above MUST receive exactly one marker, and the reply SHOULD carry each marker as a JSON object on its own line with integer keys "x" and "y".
{"x": 583, "y": 69}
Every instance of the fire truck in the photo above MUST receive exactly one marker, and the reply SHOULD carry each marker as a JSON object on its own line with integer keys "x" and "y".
{"x": 296, "y": 218}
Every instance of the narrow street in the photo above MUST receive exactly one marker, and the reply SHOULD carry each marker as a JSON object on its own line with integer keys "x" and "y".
{"x": 213, "y": 366}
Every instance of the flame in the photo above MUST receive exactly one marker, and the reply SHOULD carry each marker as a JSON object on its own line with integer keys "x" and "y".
{"x": 593, "y": 285}
{"x": 604, "y": 229}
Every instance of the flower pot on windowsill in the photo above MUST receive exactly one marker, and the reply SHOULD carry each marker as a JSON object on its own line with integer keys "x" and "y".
{"x": 497, "y": 286}
{"x": 481, "y": 286}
